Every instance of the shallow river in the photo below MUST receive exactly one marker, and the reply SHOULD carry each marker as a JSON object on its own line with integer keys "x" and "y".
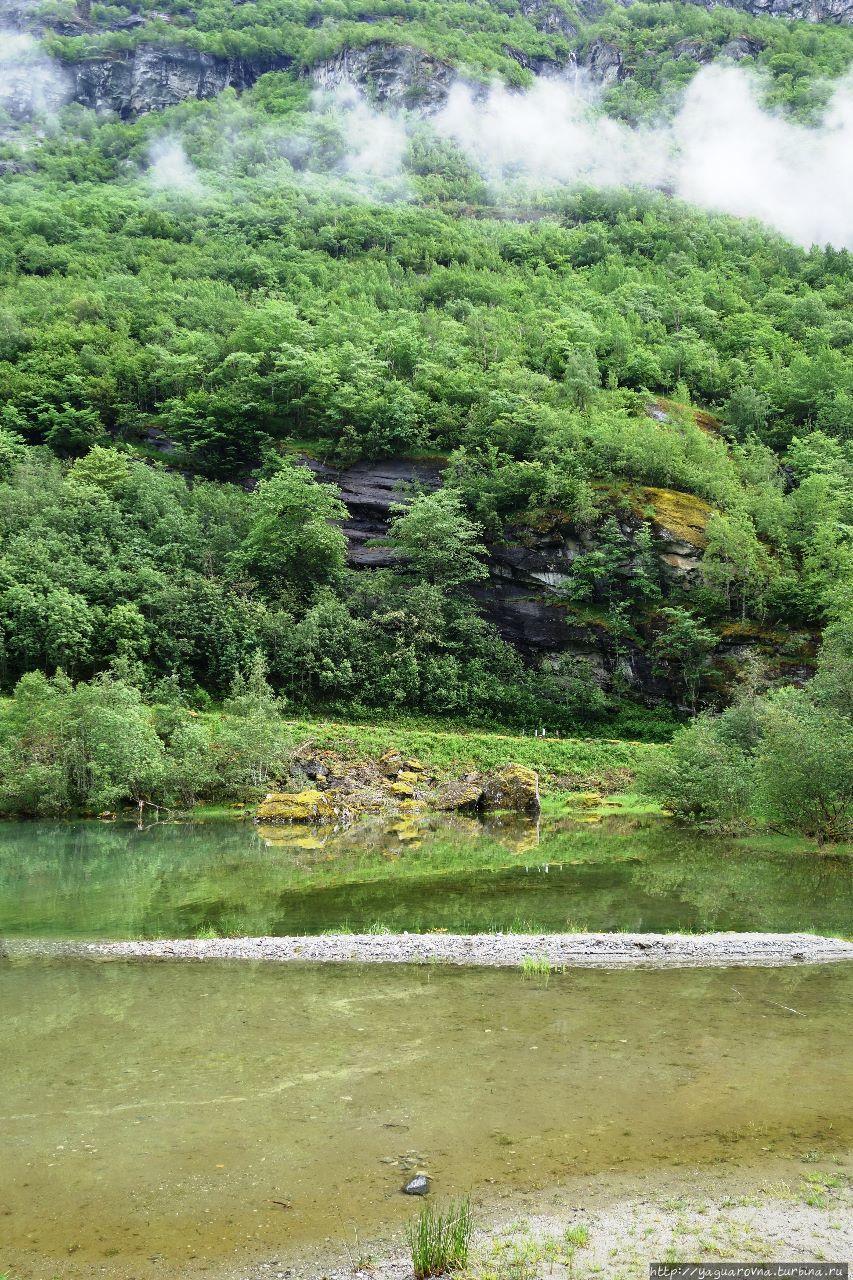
{"x": 174, "y": 880}
{"x": 154, "y": 1116}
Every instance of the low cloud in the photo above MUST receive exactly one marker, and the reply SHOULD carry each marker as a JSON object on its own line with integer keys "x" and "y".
{"x": 734, "y": 156}
{"x": 170, "y": 169}
{"x": 376, "y": 141}
{"x": 551, "y": 135}
{"x": 32, "y": 85}
{"x": 722, "y": 151}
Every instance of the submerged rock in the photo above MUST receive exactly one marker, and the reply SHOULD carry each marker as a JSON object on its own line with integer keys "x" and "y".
{"x": 417, "y": 1186}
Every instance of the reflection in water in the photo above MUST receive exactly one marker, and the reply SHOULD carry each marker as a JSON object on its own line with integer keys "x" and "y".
{"x": 171, "y": 880}
{"x": 171, "y": 1111}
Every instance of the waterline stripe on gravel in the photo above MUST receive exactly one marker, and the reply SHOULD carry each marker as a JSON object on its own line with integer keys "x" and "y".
{"x": 494, "y": 950}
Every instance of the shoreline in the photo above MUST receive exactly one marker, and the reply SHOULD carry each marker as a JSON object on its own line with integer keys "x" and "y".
{"x": 484, "y": 950}
{"x": 790, "y": 1212}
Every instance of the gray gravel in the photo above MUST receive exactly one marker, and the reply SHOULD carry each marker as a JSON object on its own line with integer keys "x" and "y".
{"x": 495, "y": 950}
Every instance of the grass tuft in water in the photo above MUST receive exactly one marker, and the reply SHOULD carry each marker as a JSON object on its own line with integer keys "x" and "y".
{"x": 440, "y": 1242}
{"x": 535, "y": 967}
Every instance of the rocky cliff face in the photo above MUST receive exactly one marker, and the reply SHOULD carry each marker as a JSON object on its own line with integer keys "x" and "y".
{"x": 150, "y": 78}
{"x": 527, "y": 571}
{"x": 390, "y": 75}
{"x": 838, "y": 11}
{"x": 404, "y": 76}
{"x": 153, "y": 76}
{"x": 368, "y": 490}
{"x": 524, "y": 596}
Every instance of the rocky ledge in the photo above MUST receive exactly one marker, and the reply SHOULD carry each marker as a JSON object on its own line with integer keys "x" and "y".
{"x": 490, "y": 950}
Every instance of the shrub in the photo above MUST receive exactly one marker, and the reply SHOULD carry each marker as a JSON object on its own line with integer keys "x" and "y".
{"x": 701, "y": 777}
{"x": 804, "y": 767}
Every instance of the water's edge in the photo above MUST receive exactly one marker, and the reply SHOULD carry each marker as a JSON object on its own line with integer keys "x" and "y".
{"x": 492, "y": 950}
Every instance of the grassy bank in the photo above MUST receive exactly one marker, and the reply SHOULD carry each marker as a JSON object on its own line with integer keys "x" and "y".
{"x": 563, "y": 763}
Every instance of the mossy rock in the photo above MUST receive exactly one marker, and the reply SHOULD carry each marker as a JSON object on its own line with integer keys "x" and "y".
{"x": 705, "y": 421}
{"x": 390, "y": 763}
{"x": 515, "y": 788}
{"x": 402, "y": 790}
{"x": 296, "y": 806}
{"x": 458, "y": 796}
{"x": 682, "y": 515}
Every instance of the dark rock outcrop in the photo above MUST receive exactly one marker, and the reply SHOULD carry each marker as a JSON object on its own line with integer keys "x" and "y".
{"x": 694, "y": 50}
{"x": 742, "y": 47}
{"x": 369, "y": 489}
{"x": 524, "y": 596}
{"x": 151, "y": 77}
{"x": 403, "y": 76}
{"x": 540, "y": 65}
{"x": 603, "y": 62}
{"x": 549, "y": 18}
{"x": 528, "y": 569}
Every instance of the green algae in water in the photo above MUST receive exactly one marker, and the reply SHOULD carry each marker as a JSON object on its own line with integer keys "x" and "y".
{"x": 183, "y": 880}
{"x": 173, "y": 1111}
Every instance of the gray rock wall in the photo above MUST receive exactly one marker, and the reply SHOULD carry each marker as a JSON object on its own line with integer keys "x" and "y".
{"x": 150, "y": 78}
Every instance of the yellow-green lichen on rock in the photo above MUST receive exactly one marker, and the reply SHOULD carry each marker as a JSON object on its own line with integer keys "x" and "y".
{"x": 296, "y": 806}
{"x": 514, "y": 787}
{"x": 682, "y": 515}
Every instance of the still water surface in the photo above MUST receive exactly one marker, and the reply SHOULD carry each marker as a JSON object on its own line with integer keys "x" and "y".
{"x": 172, "y": 880}
{"x": 152, "y": 1116}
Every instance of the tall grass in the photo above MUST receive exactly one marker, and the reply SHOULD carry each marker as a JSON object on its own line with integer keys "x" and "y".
{"x": 440, "y": 1242}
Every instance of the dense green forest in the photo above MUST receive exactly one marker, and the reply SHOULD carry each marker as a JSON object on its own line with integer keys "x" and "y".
{"x": 195, "y": 300}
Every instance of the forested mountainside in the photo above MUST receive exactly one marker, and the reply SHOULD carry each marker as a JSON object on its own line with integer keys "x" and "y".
{"x": 485, "y": 360}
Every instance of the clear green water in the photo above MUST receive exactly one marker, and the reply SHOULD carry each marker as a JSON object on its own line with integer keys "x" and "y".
{"x": 151, "y": 1115}
{"x": 112, "y": 880}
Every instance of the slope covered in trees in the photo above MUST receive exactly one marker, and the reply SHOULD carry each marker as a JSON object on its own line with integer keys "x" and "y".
{"x": 192, "y": 300}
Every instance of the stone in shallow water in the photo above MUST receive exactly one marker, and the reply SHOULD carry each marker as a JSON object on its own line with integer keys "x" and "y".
{"x": 417, "y": 1186}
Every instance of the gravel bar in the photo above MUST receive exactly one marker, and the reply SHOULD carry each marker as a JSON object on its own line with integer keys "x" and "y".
{"x": 493, "y": 950}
